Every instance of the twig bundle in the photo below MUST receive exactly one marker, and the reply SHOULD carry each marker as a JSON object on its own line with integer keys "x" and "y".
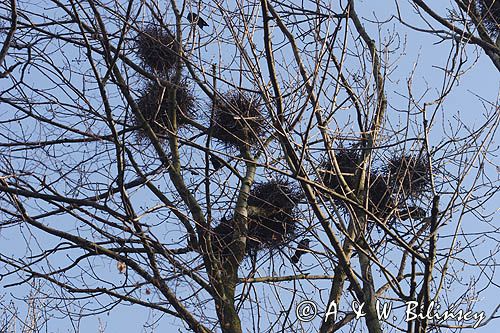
{"x": 157, "y": 49}
{"x": 272, "y": 212}
{"x": 490, "y": 14}
{"x": 155, "y": 105}
{"x": 404, "y": 177}
{"x": 347, "y": 159}
{"x": 272, "y": 217}
{"x": 409, "y": 174}
{"x": 238, "y": 119}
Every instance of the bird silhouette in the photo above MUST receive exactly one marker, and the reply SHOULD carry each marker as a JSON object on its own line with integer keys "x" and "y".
{"x": 302, "y": 248}
{"x": 194, "y": 18}
{"x": 216, "y": 162}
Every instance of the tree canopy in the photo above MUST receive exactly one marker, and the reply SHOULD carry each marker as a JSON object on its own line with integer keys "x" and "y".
{"x": 249, "y": 166}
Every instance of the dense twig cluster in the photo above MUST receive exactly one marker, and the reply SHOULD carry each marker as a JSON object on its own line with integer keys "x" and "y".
{"x": 238, "y": 119}
{"x": 272, "y": 217}
{"x": 490, "y": 14}
{"x": 155, "y": 104}
{"x": 157, "y": 49}
{"x": 409, "y": 174}
{"x": 404, "y": 177}
{"x": 347, "y": 160}
{"x": 159, "y": 52}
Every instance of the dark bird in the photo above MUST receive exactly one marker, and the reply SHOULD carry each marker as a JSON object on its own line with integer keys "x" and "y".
{"x": 216, "y": 162}
{"x": 194, "y": 18}
{"x": 302, "y": 248}
{"x": 413, "y": 212}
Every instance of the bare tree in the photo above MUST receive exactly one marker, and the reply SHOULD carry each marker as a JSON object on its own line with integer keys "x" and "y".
{"x": 218, "y": 163}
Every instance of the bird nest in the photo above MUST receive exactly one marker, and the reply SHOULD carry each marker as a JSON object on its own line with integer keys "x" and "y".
{"x": 238, "y": 119}
{"x": 155, "y": 104}
{"x": 490, "y": 14}
{"x": 389, "y": 187}
{"x": 347, "y": 159}
{"x": 380, "y": 201}
{"x": 272, "y": 217}
{"x": 409, "y": 174}
{"x": 157, "y": 49}
{"x": 379, "y": 194}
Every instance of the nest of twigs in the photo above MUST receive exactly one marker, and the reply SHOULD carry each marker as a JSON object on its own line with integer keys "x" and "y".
{"x": 409, "y": 174}
{"x": 222, "y": 235}
{"x": 490, "y": 14}
{"x": 272, "y": 210}
{"x": 347, "y": 159}
{"x": 404, "y": 177}
{"x": 157, "y": 49}
{"x": 155, "y": 104}
{"x": 272, "y": 217}
{"x": 238, "y": 119}
{"x": 380, "y": 201}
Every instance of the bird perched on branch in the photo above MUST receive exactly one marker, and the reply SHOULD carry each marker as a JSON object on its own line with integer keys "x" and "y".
{"x": 302, "y": 248}
{"x": 216, "y": 162}
{"x": 194, "y": 18}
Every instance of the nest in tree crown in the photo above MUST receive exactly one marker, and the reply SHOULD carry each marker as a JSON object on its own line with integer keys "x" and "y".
{"x": 490, "y": 14}
{"x": 404, "y": 174}
{"x": 157, "y": 48}
{"x": 409, "y": 174}
{"x": 276, "y": 195}
{"x": 222, "y": 235}
{"x": 347, "y": 159}
{"x": 271, "y": 209}
{"x": 272, "y": 220}
{"x": 154, "y": 105}
{"x": 380, "y": 201}
{"x": 238, "y": 119}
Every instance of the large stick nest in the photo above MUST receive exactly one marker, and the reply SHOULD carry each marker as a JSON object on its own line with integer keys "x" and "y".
{"x": 490, "y": 14}
{"x": 157, "y": 49}
{"x": 380, "y": 201}
{"x": 347, "y": 159}
{"x": 155, "y": 104}
{"x": 405, "y": 176}
{"x": 410, "y": 174}
{"x": 238, "y": 119}
{"x": 272, "y": 217}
